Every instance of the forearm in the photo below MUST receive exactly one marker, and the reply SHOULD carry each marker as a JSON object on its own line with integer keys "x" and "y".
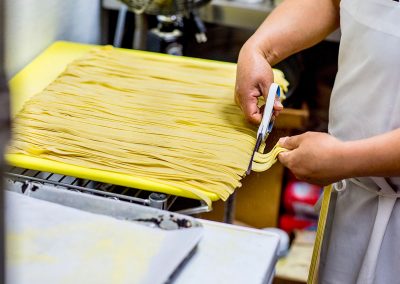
{"x": 376, "y": 156}
{"x": 293, "y": 26}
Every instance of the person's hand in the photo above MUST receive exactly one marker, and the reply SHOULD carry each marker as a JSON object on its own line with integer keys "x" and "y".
{"x": 314, "y": 157}
{"x": 253, "y": 78}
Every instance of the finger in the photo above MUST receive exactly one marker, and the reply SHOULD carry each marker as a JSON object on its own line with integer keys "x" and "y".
{"x": 249, "y": 107}
{"x": 251, "y": 111}
{"x": 278, "y": 105}
{"x": 276, "y": 113}
{"x": 290, "y": 143}
{"x": 284, "y": 157}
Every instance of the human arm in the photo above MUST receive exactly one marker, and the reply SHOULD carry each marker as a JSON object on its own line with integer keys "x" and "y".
{"x": 294, "y": 25}
{"x": 322, "y": 159}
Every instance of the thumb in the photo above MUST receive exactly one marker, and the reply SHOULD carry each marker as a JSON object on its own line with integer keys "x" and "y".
{"x": 290, "y": 142}
{"x": 284, "y": 157}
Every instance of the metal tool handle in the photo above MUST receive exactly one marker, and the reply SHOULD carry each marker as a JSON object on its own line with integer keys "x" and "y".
{"x": 267, "y": 122}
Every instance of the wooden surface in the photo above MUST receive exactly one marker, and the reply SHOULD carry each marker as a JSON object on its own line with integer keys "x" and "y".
{"x": 294, "y": 267}
{"x": 257, "y": 202}
{"x": 291, "y": 119}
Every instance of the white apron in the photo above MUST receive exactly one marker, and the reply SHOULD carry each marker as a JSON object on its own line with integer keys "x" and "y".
{"x": 361, "y": 243}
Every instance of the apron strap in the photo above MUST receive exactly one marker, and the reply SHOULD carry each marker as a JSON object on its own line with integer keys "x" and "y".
{"x": 368, "y": 267}
{"x": 385, "y": 189}
{"x": 387, "y": 200}
{"x": 323, "y": 214}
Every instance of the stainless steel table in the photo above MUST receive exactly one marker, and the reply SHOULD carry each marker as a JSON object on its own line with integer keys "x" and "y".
{"x": 48, "y": 240}
{"x": 232, "y": 254}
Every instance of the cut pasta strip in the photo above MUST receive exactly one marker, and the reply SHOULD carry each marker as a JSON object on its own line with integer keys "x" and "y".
{"x": 263, "y": 162}
{"x": 163, "y": 120}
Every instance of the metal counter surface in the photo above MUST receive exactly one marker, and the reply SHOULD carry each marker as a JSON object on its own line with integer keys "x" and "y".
{"x": 225, "y": 253}
{"x": 232, "y": 254}
{"x": 50, "y": 243}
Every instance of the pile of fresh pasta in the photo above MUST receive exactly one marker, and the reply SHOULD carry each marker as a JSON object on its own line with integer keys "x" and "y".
{"x": 166, "y": 120}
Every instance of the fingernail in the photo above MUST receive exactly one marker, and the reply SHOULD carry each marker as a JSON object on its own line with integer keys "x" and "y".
{"x": 278, "y": 104}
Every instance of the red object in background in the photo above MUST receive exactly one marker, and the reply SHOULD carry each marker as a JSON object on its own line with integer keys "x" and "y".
{"x": 300, "y": 197}
{"x": 289, "y": 223}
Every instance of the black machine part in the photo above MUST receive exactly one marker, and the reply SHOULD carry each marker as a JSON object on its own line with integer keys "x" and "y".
{"x": 167, "y": 36}
{"x": 164, "y": 7}
{"x": 173, "y": 31}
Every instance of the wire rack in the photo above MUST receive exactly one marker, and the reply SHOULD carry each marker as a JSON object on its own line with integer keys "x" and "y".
{"x": 26, "y": 177}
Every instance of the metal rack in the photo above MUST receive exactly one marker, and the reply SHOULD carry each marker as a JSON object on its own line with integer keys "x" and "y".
{"x": 32, "y": 179}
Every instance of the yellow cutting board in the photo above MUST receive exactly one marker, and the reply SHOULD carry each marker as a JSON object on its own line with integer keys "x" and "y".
{"x": 40, "y": 73}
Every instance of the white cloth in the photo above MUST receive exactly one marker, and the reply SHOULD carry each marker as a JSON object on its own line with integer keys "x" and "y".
{"x": 363, "y": 229}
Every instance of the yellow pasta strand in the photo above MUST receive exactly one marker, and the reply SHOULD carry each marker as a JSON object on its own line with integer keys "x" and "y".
{"x": 167, "y": 121}
{"x": 263, "y": 162}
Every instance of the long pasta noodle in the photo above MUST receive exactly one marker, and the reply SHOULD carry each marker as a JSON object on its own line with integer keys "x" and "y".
{"x": 163, "y": 120}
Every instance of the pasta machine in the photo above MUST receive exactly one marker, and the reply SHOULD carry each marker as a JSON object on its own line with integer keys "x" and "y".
{"x": 33, "y": 179}
{"x": 175, "y": 18}
{"x": 99, "y": 183}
